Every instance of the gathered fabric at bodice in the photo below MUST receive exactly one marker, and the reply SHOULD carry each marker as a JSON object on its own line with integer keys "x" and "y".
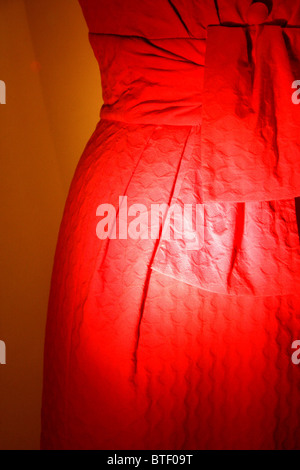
{"x": 237, "y": 81}
{"x": 151, "y": 81}
{"x": 228, "y": 72}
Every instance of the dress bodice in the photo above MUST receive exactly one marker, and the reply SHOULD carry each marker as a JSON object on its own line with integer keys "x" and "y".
{"x": 200, "y": 62}
{"x": 178, "y": 18}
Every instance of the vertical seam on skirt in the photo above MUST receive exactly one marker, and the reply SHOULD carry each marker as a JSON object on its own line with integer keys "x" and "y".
{"x": 149, "y": 270}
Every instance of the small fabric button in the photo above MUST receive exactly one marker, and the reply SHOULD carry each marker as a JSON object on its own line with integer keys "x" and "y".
{"x": 257, "y": 13}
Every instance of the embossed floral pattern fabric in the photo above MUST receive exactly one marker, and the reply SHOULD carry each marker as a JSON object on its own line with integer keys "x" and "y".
{"x": 154, "y": 343}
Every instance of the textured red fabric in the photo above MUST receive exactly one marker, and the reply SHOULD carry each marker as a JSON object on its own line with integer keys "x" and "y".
{"x": 250, "y": 132}
{"x": 166, "y": 344}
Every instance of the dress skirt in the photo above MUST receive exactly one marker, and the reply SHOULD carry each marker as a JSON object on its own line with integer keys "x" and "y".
{"x": 137, "y": 359}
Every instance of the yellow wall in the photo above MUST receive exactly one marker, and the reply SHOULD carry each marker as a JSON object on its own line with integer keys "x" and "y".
{"x": 53, "y": 100}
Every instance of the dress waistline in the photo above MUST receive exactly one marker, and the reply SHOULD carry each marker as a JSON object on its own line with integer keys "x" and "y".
{"x": 157, "y": 81}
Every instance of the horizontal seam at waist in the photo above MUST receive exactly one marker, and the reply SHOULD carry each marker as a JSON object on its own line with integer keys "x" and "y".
{"x": 130, "y": 123}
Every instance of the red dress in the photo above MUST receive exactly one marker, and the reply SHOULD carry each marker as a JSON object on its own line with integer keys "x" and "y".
{"x": 164, "y": 343}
